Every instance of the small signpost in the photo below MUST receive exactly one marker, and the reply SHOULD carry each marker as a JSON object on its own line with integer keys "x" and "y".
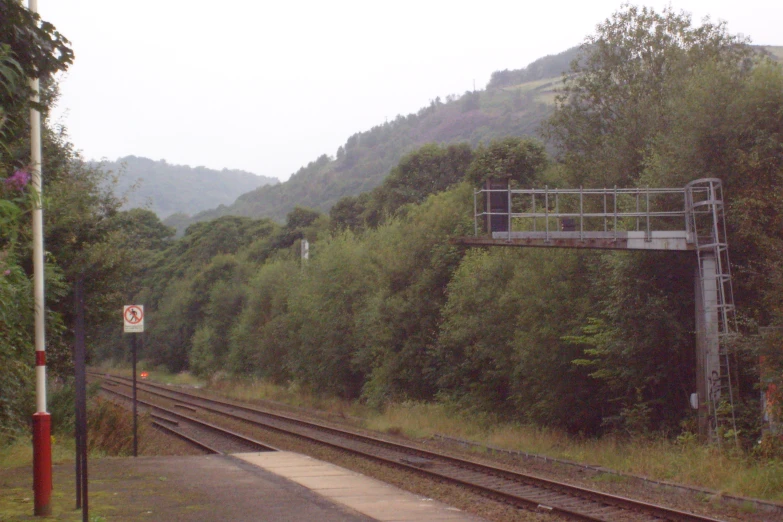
{"x": 133, "y": 318}
{"x": 133, "y": 322}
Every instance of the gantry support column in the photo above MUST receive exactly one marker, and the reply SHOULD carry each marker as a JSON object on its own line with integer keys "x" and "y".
{"x": 707, "y": 343}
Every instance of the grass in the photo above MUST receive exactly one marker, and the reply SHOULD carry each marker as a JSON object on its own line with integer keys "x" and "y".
{"x": 110, "y": 435}
{"x": 20, "y": 452}
{"x": 658, "y": 458}
{"x": 654, "y": 457}
{"x": 155, "y": 374}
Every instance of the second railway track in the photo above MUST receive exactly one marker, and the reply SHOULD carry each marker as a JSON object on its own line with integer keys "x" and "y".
{"x": 523, "y": 490}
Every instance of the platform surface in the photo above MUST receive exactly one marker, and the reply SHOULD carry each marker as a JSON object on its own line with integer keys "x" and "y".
{"x": 373, "y": 498}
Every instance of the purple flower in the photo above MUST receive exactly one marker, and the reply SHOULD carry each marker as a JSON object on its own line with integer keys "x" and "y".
{"x": 7, "y": 272}
{"x": 18, "y": 181}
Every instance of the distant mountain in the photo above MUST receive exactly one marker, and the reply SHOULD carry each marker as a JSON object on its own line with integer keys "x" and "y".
{"x": 168, "y": 189}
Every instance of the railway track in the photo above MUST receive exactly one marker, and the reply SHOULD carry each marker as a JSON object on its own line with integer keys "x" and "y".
{"x": 206, "y": 436}
{"x": 518, "y": 489}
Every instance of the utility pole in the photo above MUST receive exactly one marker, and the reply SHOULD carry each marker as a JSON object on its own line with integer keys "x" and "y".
{"x": 42, "y": 421}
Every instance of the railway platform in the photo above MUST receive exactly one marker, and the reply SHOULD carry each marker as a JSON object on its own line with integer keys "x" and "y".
{"x": 268, "y": 486}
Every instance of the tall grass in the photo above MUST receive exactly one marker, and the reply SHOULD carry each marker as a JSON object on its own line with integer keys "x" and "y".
{"x": 654, "y": 457}
{"x": 110, "y": 428}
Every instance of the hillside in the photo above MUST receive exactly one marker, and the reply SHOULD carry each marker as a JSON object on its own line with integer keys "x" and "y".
{"x": 167, "y": 189}
{"x": 775, "y": 51}
{"x": 514, "y": 103}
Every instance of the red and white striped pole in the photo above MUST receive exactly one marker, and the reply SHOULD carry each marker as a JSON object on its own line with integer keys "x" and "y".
{"x": 42, "y": 421}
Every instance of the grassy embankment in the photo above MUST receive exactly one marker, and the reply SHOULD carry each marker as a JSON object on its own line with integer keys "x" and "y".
{"x": 685, "y": 462}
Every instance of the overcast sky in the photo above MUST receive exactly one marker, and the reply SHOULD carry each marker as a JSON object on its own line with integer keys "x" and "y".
{"x": 267, "y": 86}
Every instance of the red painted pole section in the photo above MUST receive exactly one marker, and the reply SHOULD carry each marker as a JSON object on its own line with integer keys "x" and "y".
{"x": 42, "y": 463}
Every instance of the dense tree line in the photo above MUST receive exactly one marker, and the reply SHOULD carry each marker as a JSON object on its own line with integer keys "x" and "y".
{"x": 87, "y": 237}
{"x": 388, "y": 309}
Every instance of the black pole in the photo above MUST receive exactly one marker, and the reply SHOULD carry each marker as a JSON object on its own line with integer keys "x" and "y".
{"x": 80, "y": 361}
{"x": 77, "y": 428}
{"x": 135, "y": 433}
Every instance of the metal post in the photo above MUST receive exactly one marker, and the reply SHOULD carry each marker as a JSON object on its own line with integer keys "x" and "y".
{"x": 508, "y": 192}
{"x": 475, "y": 214}
{"x": 78, "y": 363}
{"x": 615, "y": 212}
{"x": 707, "y": 343}
{"x": 42, "y": 422}
{"x": 135, "y": 414}
{"x": 488, "y": 206}
{"x": 637, "y": 209}
{"x": 581, "y": 216}
{"x": 546, "y": 209}
{"x": 647, "y": 192}
{"x": 80, "y": 360}
{"x": 533, "y": 197}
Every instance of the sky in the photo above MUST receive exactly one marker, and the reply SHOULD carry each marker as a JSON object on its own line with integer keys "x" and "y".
{"x": 268, "y": 86}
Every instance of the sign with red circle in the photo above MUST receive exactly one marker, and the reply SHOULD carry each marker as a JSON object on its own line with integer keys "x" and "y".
{"x": 133, "y": 318}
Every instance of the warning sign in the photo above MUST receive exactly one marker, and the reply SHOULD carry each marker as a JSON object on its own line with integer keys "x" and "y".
{"x": 133, "y": 318}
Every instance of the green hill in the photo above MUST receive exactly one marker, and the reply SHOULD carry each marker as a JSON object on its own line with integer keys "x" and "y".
{"x": 168, "y": 189}
{"x": 514, "y": 103}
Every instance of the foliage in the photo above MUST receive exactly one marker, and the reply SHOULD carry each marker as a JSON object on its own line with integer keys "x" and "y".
{"x": 641, "y": 347}
{"x": 615, "y": 99}
{"x": 519, "y": 160}
{"x": 655, "y": 101}
{"x": 425, "y": 171}
{"x": 400, "y": 323}
{"x": 260, "y": 337}
{"x": 196, "y": 282}
{"x": 27, "y": 47}
{"x": 500, "y": 341}
{"x": 37, "y": 45}
{"x": 87, "y": 237}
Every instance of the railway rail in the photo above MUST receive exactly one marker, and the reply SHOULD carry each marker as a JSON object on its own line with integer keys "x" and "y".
{"x": 206, "y": 436}
{"x": 518, "y": 489}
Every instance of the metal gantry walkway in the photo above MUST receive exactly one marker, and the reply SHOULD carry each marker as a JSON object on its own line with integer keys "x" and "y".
{"x": 674, "y": 219}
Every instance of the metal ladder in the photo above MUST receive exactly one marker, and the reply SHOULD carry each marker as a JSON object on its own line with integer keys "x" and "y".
{"x": 706, "y": 226}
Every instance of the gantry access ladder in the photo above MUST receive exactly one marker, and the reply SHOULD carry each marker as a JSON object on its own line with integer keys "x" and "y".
{"x": 685, "y": 219}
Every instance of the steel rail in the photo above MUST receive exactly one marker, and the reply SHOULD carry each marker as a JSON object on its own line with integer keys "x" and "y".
{"x": 190, "y": 440}
{"x": 606, "y": 502}
{"x": 200, "y": 423}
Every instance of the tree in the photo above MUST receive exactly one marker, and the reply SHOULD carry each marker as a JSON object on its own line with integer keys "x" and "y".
{"x": 614, "y": 101}
{"x": 654, "y": 100}
{"x": 519, "y": 159}
{"x": 428, "y": 170}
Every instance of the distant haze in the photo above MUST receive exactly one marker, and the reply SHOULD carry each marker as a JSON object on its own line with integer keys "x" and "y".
{"x": 267, "y": 86}
{"x": 167, "y": 189}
